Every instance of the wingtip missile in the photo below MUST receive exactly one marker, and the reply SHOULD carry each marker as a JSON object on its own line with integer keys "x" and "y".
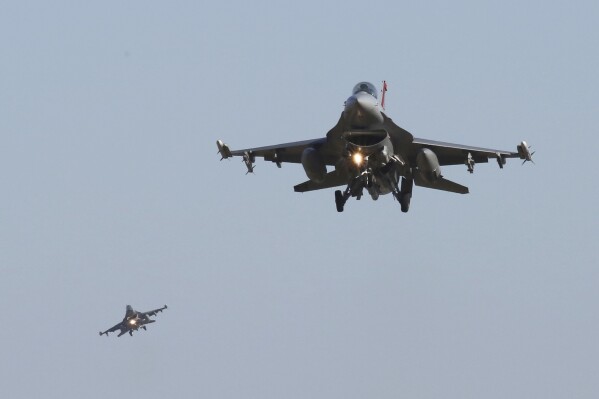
{"x": 223, "y": 150}
{"x": 524, "y": 152}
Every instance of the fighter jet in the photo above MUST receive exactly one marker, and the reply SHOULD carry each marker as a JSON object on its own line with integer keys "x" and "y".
{"x": 133, "y": 321}
{"x": 368, "y": 151}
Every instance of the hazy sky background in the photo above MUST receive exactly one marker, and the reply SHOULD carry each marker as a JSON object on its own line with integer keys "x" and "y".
{"x": 113, "y": 194}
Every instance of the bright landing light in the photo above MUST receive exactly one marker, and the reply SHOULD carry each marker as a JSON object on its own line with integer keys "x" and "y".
{"x": 357, "y": 158}
{"x": 132, "y": 322}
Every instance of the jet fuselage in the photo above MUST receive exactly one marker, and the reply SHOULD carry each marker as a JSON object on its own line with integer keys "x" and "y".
{"x": 368, "y": 148}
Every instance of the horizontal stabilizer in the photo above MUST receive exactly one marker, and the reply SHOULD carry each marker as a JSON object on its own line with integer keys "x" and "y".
{"x": 331, "y": 179}
{"x": 441, "y": 184}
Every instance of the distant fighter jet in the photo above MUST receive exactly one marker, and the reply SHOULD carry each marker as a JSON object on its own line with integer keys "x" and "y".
{"x": 370, "y": 152}
{"x": 133, "y": 321}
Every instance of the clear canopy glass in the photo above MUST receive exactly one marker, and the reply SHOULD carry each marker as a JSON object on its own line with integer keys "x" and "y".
{"x": 366, "y": 87}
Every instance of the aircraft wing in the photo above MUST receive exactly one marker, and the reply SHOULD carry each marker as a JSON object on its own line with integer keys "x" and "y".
{"x": 112, "y": 329}
{"x": 457, "y": 154}
{"x": 287, "y": 152}
{"x": 155, "y": 311}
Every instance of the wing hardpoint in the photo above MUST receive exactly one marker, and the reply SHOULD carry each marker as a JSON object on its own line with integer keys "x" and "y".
{"x": 287, "y": 152}
{"x": 155, "y": 311}
{"x": 118, "y": 326}
{"x": 457, "y": 154}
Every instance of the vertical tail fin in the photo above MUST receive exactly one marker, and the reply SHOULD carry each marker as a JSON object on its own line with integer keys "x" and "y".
{"x": 383, "y": 91}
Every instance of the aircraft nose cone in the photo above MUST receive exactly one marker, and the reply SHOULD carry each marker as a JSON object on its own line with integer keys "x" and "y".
{"x": 361, "y": 101}
{"x": 361, "y": 110}
{"x": 365, "y": 101}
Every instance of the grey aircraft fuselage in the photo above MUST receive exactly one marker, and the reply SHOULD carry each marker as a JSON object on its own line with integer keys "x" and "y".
{"x": 370, "y": 152}
{"x": 367, "y": 140}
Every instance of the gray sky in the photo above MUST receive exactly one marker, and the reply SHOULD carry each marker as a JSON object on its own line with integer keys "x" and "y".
{"x": 113, "y": 194}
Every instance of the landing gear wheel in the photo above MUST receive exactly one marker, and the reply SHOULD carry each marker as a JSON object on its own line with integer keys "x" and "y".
{"x": 406, "y": 193}
{"x": 405, "y": 202}
{"x": 339, "y": 201}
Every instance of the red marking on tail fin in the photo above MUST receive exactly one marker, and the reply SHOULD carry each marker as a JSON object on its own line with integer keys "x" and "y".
{"x": 383, "y": 91}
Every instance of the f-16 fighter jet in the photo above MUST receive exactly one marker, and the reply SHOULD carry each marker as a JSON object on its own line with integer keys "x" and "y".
{"x": 133, "y": 321}
{"x": 369, "y": 152}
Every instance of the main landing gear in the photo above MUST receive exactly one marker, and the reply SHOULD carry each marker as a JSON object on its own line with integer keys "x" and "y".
{"x": 404, "y": 195}
{"x": 356, "y": 186}
{"x": 339, "y": 201}
{"x": 354, "y": 189}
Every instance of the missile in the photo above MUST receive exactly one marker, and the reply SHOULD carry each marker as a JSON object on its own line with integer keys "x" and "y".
{"x": 524, "y": 152}
{"x": 223, "y": 150}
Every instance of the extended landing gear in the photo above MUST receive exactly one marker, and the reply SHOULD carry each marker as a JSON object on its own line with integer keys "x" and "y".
{"x": 354, "y": 189}
{"x": 404, "y": 195}
{"x": 339, "y": 201}
{"x": 405, "y": 202}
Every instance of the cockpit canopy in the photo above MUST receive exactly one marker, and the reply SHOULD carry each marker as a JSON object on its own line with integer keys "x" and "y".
{"x": 366, "y": 87}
